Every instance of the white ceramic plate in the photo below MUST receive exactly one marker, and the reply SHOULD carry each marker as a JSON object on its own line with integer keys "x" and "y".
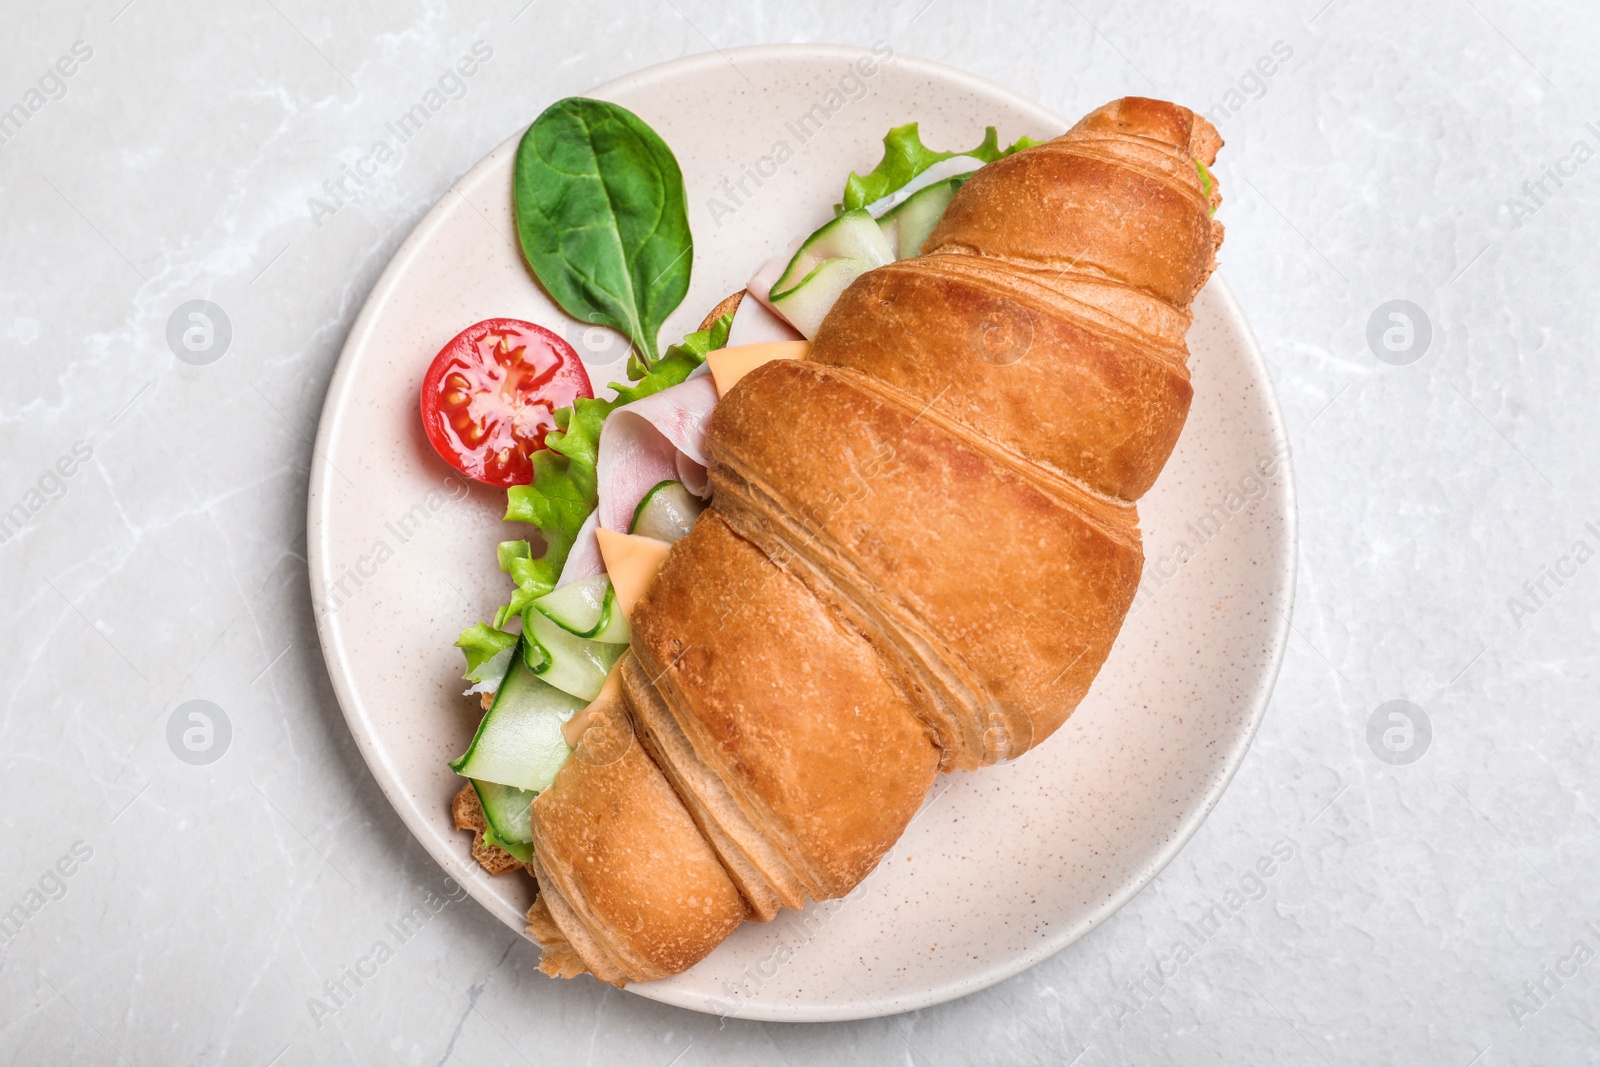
{"x": 1003, "y": 867}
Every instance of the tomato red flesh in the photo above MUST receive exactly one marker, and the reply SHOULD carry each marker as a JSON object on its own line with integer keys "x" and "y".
{"x": 491, "y": 394}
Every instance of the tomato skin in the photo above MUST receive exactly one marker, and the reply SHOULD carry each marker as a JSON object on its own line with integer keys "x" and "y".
{"x": 491, "y": 394}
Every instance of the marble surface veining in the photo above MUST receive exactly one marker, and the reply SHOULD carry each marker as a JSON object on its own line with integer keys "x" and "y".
{"x": 1437, "y": 909}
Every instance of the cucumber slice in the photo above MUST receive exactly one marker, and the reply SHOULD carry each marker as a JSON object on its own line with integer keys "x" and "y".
{"x": 667, "y": 512}
{"x": 909, "y": 223}
{"x": 807, "y": 304}
{"x": 519, "y": 741}
{"x": 587, "y": 608}
{"x": 853, "y": 235}
{"x": 575, "y": 665}
{"x": 613, "y": 626}
{"x": 510, "y": 815}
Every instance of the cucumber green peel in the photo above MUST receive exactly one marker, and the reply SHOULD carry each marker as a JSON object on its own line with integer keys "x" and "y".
{"x": 572, "y": 664}
{"x": 805, "y": 305}
{"x": 519, "y": 742}
{"x": 830, "y": 259}
{"x": 909, "y": 223}
{"x": 851, "y": 235}
{"x": 587, "y": 608}
{"x": 667, "y": 512}
{"x": 509, "y": 814}
{"x": 854, "y": 242}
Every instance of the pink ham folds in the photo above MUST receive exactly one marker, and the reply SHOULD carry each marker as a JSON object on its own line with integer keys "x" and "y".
{"x": 659, "y": 438}
{"x": 584, "y": 560}
{"x": 756, "y": 322}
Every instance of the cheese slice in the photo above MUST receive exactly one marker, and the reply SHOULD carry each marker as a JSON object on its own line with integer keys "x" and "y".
{"x": 728, "y": 365}
{"x": 632, "y": 562}
{"x": 572, "y": 730}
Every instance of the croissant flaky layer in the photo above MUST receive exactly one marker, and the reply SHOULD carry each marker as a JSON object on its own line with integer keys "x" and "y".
{"x": 922, "y": 543}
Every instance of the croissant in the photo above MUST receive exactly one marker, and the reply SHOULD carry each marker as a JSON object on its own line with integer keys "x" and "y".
{"x": 921, "y": 546}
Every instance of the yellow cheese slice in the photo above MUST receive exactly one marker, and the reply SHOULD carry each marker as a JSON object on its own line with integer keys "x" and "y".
{"x": 632, "y": 562}
{"x": 728, "y": 365}
{"x": 573, "y": 729}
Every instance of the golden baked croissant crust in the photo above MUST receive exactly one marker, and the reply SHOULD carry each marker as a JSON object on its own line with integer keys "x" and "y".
{"x": 921, "y": 546}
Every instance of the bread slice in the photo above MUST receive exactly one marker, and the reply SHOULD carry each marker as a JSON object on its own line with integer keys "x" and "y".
{"x": 468, "y": 813}
{"x": 729, "y": 306}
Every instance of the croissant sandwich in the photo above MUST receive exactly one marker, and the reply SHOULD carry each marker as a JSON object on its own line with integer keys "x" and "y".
{"x": 804, "y": 660}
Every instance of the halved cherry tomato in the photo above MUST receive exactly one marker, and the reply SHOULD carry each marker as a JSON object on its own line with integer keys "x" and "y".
{"x": 491, "y": 394}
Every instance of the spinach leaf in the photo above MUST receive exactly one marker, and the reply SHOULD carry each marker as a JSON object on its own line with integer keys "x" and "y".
{"x": 603, "y": 219}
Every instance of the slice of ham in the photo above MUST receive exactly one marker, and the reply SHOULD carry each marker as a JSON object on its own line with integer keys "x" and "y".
{"x": 653, "y": 440}
{"x": 662, "y": 438}
{"x": 765, "y": 277}
{"x": 584, "y": 560}
{"x": 756, "y": 323}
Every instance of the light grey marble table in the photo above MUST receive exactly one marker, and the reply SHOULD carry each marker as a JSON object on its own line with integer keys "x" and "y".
{"x": 1438, "y": 910}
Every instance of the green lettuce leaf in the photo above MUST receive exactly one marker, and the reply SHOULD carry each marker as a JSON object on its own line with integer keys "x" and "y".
{"x": 516, "y": 559}
{"x": 481, "y": 643}
{"x": 507, "y": 552}
{"x": 564, "y": 488}
{"x": 558, "y": 501}
{"x": 1205, "y": 184}
{"x": 905, "y": 157}
{"x": 677, "y": 363}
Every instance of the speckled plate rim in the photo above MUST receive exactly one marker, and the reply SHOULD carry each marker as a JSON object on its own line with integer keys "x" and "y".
{"x": 342, "y": 390}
